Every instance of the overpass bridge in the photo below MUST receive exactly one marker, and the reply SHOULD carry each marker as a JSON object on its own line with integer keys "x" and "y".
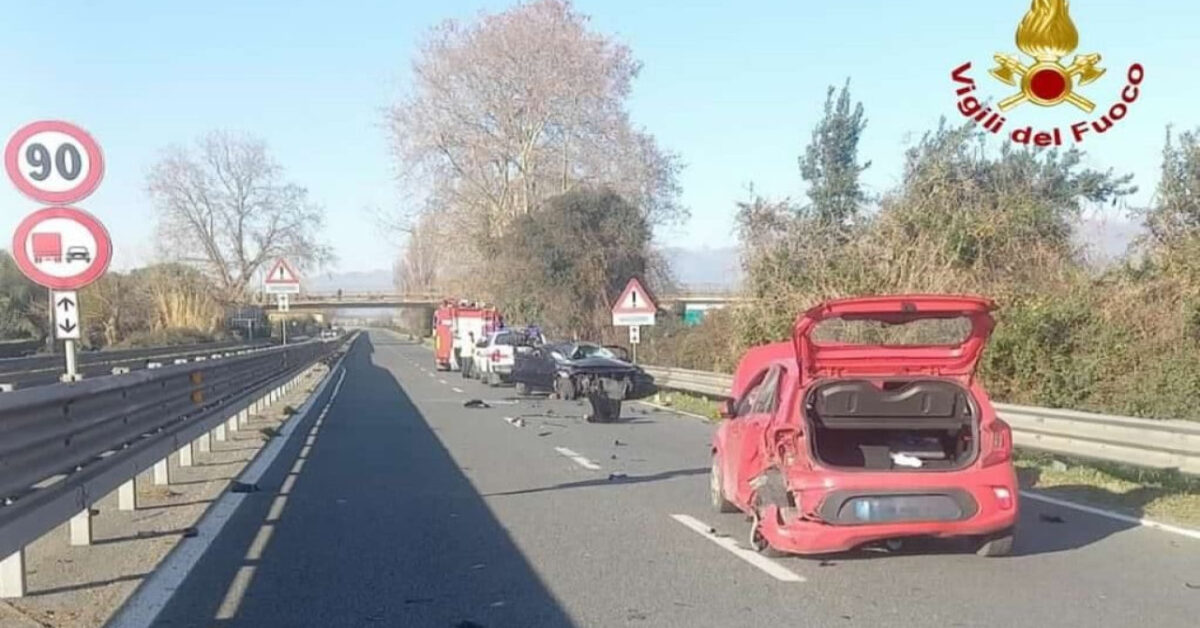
{"x": 700, "y": 297}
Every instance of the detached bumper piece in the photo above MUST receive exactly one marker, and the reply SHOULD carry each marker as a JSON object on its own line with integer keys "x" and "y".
{"x": 864, "y": 508}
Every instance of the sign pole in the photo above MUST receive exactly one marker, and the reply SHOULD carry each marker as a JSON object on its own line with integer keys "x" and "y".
{"x": 69, "y": 349}
{"x": 50, "y": 313}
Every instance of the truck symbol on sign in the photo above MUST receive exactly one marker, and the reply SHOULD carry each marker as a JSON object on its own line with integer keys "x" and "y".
{"x": 47, "y": 246}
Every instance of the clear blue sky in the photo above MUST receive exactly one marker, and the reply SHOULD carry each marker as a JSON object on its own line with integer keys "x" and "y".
{"x": 733, "y": 87}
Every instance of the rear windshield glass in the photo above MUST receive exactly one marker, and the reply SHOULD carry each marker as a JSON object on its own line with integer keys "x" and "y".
{"x": 513, "y": 339}
{"x": 592, "y": 351}
{"x": 922, "y": 331}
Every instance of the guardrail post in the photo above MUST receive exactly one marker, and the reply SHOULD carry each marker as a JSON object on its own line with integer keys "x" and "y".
{"x": 162, "y": 472}
{"x": 12, "y": 575}
{"x": 185, "y": 455}
{"x": 127, "y": 495}
{"x": 81, "y": 527}
{"x": 204, "y": 443}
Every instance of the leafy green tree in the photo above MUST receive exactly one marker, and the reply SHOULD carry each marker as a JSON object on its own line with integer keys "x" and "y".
{"x": 22, "y": 303}
{"x": 562, "y": 264}
{"x": 830, "y": 161}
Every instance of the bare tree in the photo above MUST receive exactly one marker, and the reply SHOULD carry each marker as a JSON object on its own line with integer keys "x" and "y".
{"x": 417, "y": 271}
{"x": 225, "y": 206}
{"x": 519, "y": 106}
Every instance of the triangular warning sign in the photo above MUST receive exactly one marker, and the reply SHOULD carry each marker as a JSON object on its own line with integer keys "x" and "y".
{"x": 282, "y": 272}
{"x": 634, "y": 299}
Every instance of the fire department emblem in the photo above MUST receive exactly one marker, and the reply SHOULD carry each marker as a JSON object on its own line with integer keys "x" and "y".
{"x": 1048, "y": 35}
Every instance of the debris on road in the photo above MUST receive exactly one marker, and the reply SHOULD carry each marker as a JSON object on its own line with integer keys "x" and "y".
{"x": 826, "y": 563}
{"x": 515, "y": 421}
{"x": 617, "y": 443}
{"x": 617, "y": 476}
{"x": 1051, "y": 518}
{"x": 243, "y": 487}
{"x": 190, "y": 532}
{"x": 545, "y": 433}
{"x": 475, "y": 403}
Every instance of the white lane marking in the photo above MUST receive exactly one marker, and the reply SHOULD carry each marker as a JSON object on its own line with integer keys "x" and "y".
{"x": 1165, "y": 527}
{"x": 579, "y": 460}
{"x": 237, "y": 589}
{"x": 276, "y": 508}
{"x": 143, "y": 607}
{"x": 457, "y": 390}
{"x": 770, "y": 567}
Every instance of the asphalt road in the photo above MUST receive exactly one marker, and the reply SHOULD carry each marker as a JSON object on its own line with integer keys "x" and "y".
{"x": 411, "y": 510}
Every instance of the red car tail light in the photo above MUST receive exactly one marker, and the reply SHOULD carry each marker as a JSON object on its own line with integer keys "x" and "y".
{"x": 496, "y": 356}
{"x": 998, "y": 441}
{"x": 1004, "y": 497}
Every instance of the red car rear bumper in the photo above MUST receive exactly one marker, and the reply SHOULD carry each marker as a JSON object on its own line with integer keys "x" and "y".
{"x": 811, "y": 534}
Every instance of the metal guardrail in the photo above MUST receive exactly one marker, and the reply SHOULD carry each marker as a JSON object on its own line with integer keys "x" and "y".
{"x": 63, "y": 447}
{"x": 1150, "y": 443}
{"x": 39, "y": 370}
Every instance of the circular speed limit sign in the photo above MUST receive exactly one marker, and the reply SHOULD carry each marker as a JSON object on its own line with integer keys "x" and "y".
{"x": 54, "y": 162}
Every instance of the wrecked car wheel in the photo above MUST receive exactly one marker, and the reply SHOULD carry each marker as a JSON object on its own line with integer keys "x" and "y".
{"x": 716, "y": 493}
{"x": 998, "y": 544}
{"x": 604, "y": 410}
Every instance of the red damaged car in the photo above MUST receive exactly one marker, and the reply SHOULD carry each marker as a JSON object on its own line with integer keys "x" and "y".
{"x": 869, "y": 426}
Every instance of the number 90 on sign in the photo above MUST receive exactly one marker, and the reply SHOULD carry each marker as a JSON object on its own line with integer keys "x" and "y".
{"x": 54, "y": 162}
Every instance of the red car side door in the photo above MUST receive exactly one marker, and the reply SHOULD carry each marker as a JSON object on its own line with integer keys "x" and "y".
{"x": 751, "y": 458}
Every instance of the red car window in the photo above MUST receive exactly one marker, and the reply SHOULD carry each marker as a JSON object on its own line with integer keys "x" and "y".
{"x": 768, "y": 394}
{"x": 745, "y": 405}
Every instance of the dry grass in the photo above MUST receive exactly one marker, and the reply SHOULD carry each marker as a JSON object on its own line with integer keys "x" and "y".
{"x": 1160, "y": 495}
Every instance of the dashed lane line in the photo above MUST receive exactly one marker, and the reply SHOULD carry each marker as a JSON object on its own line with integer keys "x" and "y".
{"x": 578, "y": 459}
{"x": 764, "y": 564}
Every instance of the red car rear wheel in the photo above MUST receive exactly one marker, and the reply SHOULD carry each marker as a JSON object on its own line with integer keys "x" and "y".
{"x": 716, "y": 492}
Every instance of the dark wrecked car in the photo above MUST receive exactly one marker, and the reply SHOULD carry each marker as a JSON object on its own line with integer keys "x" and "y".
{"x": 574, "y": 370}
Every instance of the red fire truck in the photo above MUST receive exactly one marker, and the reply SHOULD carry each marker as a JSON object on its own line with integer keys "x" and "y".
{"x": 458, "y": 325}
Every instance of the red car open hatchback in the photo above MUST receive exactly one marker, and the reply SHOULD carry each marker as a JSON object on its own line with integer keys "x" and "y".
{"x": 868, "y": 426}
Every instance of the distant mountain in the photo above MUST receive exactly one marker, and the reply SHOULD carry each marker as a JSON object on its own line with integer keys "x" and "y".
{"x": 357, "y": 281}
{"x": 1107, "y": 238}
{"x": 705, "y": 267}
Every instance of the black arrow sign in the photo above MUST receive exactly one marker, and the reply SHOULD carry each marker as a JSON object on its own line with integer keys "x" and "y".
{"x": 67, "y": 326}
{"x": 66, "y": 304}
